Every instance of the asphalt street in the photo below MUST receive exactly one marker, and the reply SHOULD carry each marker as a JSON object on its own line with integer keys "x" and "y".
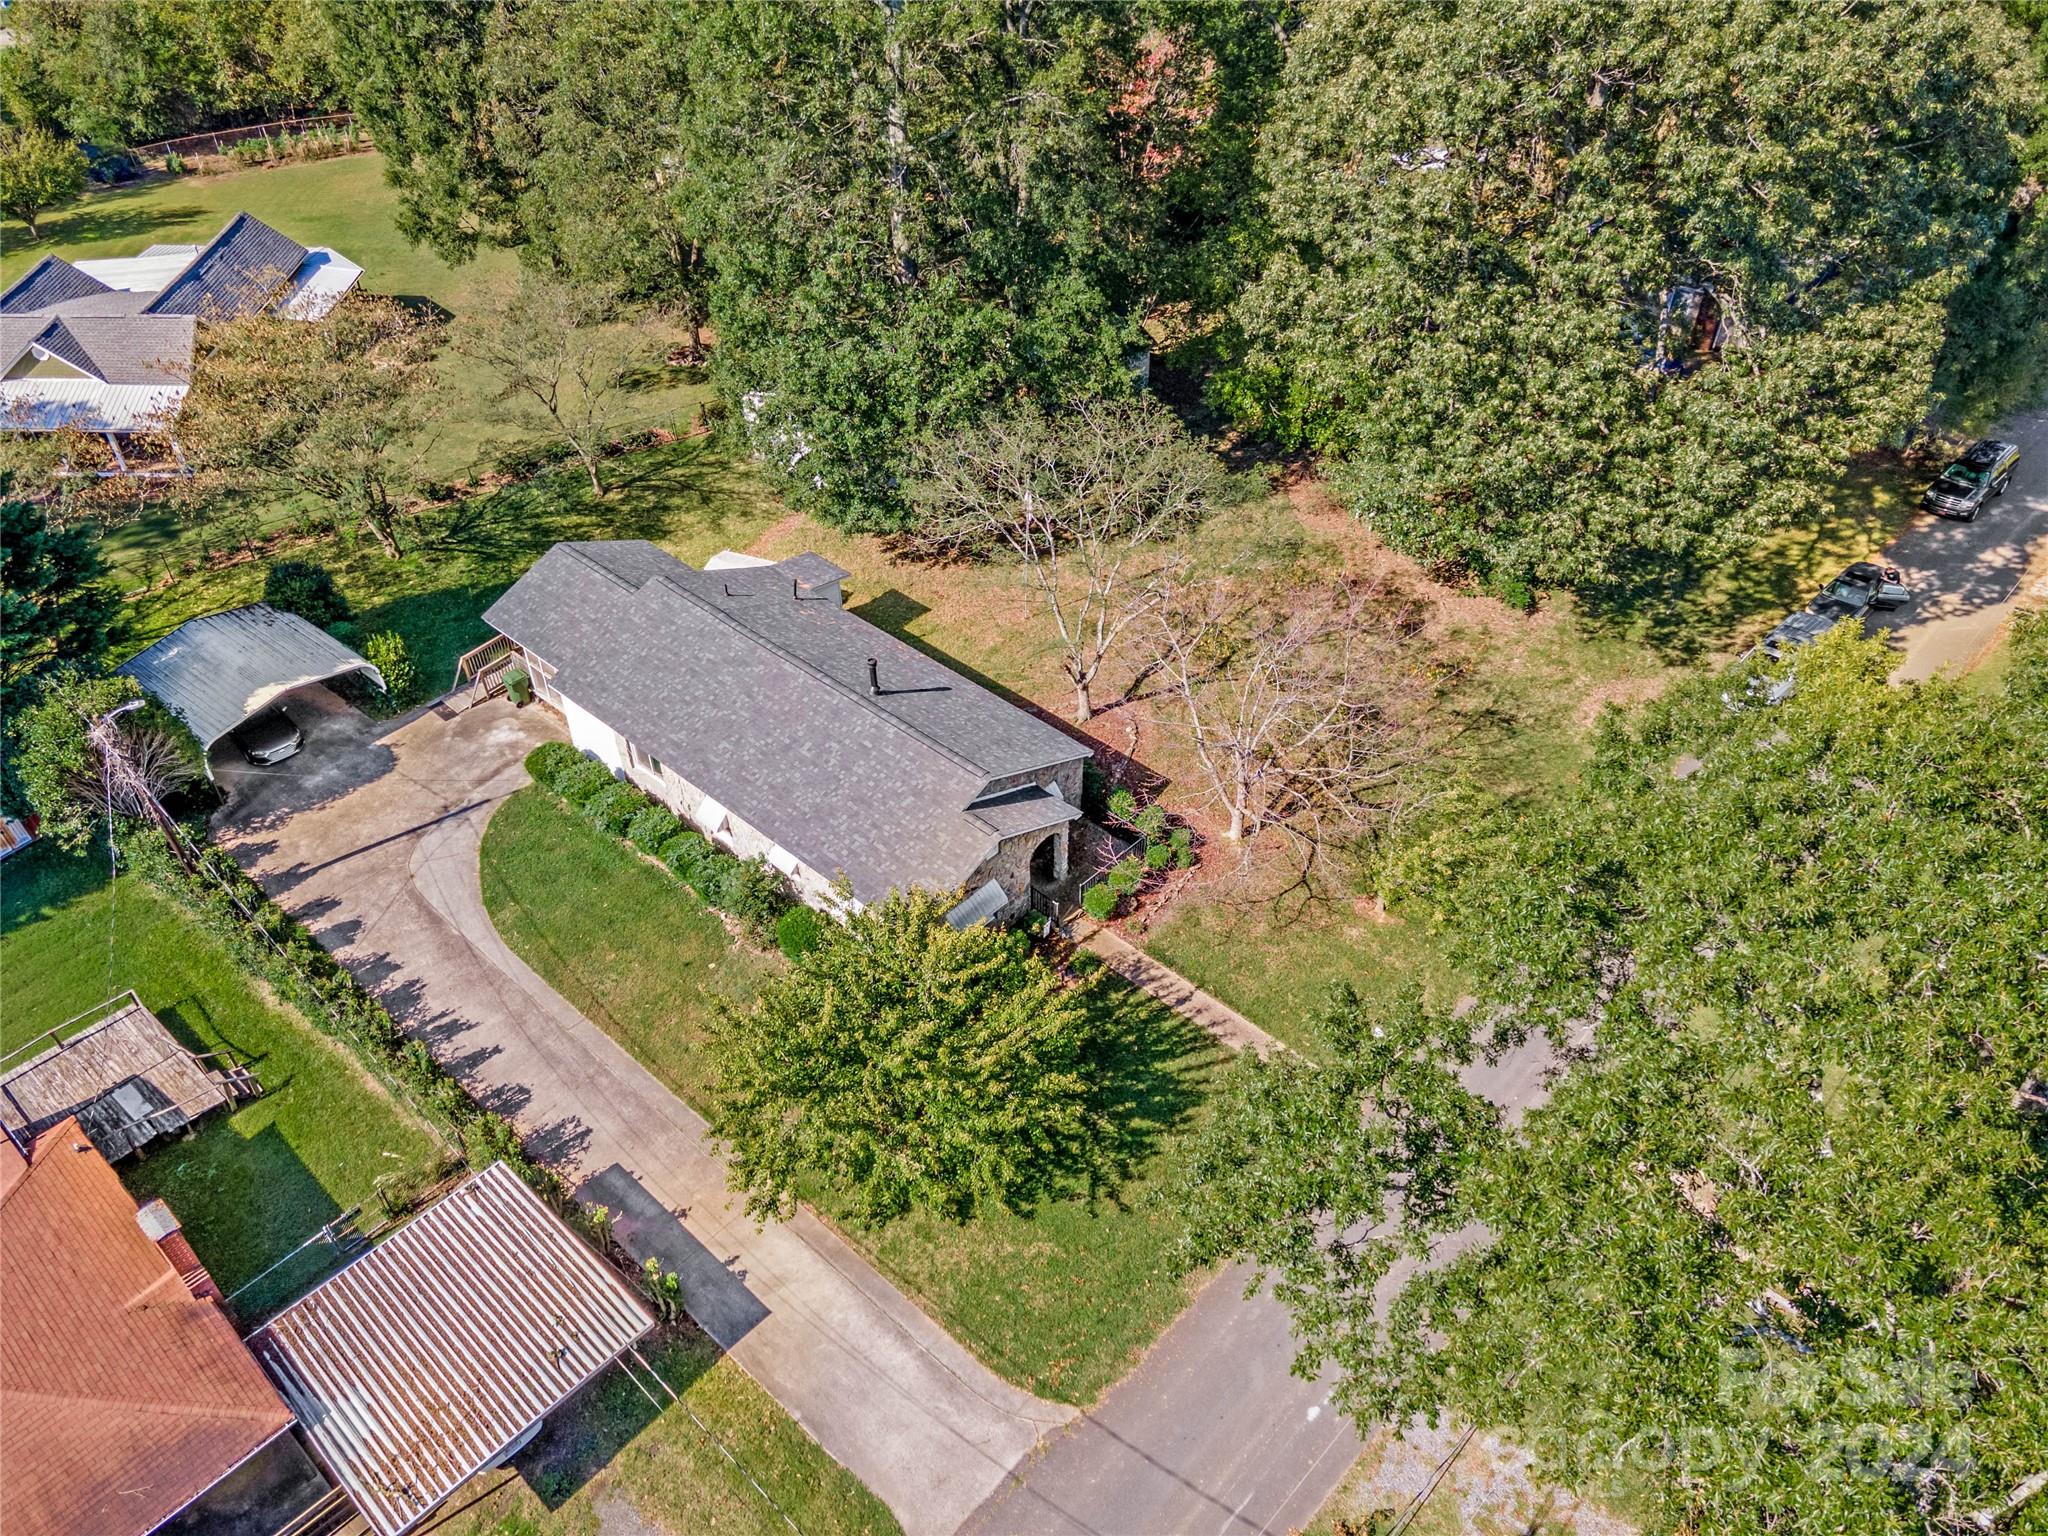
{"x": 1966, "y": 577}
{"x": 1212, "y": 1434}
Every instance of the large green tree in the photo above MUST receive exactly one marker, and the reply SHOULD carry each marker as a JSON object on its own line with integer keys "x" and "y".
{"x": 38, "y": 172}
{"x": 55, "y": 606}
{"x": 1772, "y": 1255}
{"x": 127, "y": 71}
{"x": 896, "y": 216}
{"x": 1479, "y": 209}
{"x": 414, "y": 74}
{"x": 1996, "y": 357}
{"x": 909, "y": 1064}
{"x": 593, "y": 119}
{"x": 336, "y": 410}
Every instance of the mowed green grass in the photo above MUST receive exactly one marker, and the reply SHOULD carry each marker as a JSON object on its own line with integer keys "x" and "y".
{"x": 610, "y": 1448}
{"x": 250, "y": 1185}
{"x": 462, "y": 557}
{"x": 688, "y": 496}
{"x": 1061, "y": 1301}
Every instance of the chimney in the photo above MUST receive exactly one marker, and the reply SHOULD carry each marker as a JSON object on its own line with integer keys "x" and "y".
{"x": 161, "y": 1228}
{"x": 874, "y": 679}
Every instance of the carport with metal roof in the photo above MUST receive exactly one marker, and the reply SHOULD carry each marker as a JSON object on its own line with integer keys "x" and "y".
{"x": 435, "y": 1354}
{"x": 215, "y": 672}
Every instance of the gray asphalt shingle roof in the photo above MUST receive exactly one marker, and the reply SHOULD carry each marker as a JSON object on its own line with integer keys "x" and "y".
{"x": 235, "y": 272}
{"x": 50, "y": 281}
{"x": 759, "y": 696}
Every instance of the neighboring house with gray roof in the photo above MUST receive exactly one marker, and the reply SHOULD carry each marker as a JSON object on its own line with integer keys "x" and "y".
{"x": 747, "y": 698}
{"x": 106, "y": 346}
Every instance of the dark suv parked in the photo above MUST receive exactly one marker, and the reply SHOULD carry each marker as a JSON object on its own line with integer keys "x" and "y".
{"x": 1962, "y": 489}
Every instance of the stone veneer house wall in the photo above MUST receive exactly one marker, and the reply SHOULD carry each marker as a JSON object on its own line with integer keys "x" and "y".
{"x": 747, "y": 698}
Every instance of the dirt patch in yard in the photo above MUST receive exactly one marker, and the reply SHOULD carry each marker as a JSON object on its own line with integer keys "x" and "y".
{"x": 1489, "y": 1489}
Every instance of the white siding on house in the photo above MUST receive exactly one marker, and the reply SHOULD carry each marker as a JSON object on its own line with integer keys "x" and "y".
{"x": 589, "y": 734}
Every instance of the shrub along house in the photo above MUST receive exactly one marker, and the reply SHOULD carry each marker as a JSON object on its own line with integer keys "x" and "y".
{"x": 748, "y": 699}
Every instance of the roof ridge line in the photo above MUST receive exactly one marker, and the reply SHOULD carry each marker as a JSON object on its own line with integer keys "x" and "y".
{"x": 824, "y": 677}
{"x": 576, "y": 546}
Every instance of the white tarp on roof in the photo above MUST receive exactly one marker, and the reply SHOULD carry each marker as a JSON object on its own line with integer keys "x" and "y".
{"x": 214, "y": 673}
{"x": 419, "y": 1364}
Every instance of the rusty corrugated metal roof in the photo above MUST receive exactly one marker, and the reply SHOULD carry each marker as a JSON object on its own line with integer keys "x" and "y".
{"x": 125, "y": 1396}
{"x": 413, "y": 1368}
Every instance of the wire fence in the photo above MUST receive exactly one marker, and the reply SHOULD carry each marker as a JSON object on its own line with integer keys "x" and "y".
{"x": 218, "y": 141}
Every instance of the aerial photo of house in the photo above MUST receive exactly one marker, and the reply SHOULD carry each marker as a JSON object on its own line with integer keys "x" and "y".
{"x": 105, "y": 346}
{"x": 1001, "y": 769}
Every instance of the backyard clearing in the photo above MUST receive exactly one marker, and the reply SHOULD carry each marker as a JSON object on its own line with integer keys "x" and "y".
{"x": 1061, "y": 1301}
{"x": 250, "y": 1182}
{"x": 610, "y": 1462}
{"x": 1520, "y": 696}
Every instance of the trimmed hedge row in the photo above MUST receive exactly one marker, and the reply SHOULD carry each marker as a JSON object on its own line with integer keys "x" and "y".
{"x": 276, "y": 946}
{"x": 747, "y": 889}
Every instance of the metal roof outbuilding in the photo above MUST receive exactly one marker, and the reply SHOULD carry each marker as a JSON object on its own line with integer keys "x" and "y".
{"x": 214, "y": 673}
{"x": 424, "y": 1360}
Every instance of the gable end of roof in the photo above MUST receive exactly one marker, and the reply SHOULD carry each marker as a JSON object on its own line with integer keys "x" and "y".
{"x": 52, "y": 280}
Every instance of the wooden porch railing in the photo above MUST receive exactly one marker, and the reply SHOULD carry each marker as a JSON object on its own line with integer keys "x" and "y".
{"x": 483, "y": 668}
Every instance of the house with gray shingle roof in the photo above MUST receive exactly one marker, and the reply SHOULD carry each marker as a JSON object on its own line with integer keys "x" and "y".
{"x": 106, "y": 346}
{"x": 749, "y": 699}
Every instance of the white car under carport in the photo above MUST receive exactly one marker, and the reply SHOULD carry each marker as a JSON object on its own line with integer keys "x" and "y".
{"x": 219, "y": 672}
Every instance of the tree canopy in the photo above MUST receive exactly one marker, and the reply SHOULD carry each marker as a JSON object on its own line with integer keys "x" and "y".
{"x": 38, "y": 172}
{"x": 1770, "y": 1255}
{"x": 911, "y": 1065}
{"x": 1485, "y": 219}
{"x": 55, "y": 606}
{"x": 333, "y": 409}
{"x": 128, "y": 71}
{"x": 896, "y": 217}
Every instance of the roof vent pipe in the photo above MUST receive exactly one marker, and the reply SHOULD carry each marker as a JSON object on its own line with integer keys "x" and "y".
{"x": 874, "y": 679}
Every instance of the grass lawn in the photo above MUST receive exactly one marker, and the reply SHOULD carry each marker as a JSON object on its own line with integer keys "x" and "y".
{"x": 1061, "y": 1301}
{"x": 249, "y": 1186}
{"x": 687, "y": 496}
{"x": 343, "y": 203}
{"x": 610, "y": 1462}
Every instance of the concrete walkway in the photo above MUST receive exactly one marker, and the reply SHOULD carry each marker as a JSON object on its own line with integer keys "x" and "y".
{"x": 371, "y": 838}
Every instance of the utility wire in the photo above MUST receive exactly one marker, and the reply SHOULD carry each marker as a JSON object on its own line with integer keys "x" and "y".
{"x": 713, "y": 1438}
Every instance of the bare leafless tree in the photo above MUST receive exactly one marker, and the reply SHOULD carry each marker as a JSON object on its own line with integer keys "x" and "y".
{"x": 1306, "y": 707}
{"x": 548, "y": 340}
{"x": 1091, "y": 501}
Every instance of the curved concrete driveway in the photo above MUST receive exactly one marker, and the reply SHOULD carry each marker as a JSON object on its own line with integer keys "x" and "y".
{"x": 371, "y": 838}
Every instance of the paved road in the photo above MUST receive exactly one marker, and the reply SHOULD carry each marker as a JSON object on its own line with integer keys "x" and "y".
{"x": 370, "y": 836}
{"x": 1967, "y": 576}
{"x": 1211, "y": 1435}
